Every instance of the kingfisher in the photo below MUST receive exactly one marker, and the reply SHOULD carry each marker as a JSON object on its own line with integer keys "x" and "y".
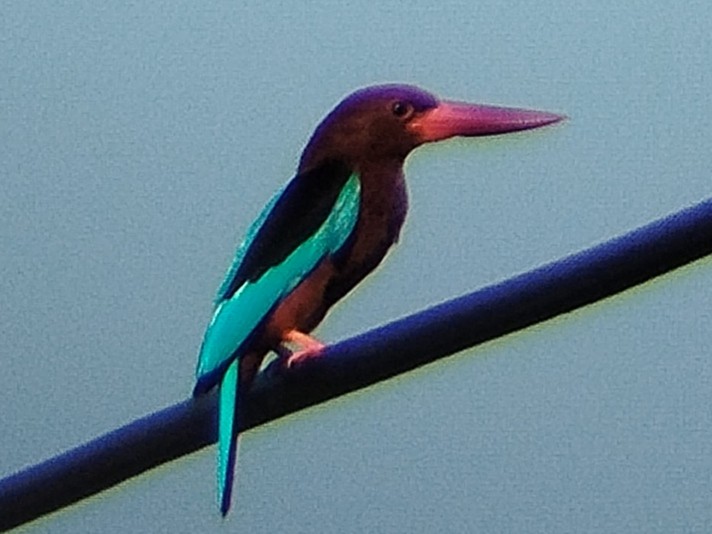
{"x": 328, "y": 227}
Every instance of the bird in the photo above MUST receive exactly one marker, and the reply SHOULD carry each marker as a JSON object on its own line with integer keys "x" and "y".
{"x": 322, "y": 233}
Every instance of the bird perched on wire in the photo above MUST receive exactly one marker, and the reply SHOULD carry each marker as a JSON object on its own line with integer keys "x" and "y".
{"x": 329, "y": 227}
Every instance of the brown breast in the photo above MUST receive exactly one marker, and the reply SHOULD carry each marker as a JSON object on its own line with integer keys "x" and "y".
{"x": 384, "y": 203}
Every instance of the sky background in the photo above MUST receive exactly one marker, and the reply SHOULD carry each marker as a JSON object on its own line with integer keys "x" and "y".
{"x": 138, "y": 141}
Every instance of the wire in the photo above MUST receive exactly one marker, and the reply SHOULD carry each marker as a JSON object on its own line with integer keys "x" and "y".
{"x": 400, "y": 346}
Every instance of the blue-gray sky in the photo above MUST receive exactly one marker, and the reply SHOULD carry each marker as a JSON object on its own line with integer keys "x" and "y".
{"x": 139, "y": 140}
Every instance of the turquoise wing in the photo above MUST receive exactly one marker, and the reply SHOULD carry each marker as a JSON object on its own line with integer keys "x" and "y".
{"x": 241, "y": 308}
{"x": 312, "y": 218}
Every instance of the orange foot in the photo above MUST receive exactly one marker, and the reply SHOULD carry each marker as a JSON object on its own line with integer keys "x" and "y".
{"x": 309, "y": 347}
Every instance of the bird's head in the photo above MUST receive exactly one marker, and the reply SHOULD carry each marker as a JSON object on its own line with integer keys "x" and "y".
{"x": 386, "y": 122}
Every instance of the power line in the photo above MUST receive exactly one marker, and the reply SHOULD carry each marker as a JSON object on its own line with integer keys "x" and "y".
{"x": 400, "y": 346}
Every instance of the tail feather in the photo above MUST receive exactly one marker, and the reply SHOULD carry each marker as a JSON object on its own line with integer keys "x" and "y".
{"x": 227, "y": 434}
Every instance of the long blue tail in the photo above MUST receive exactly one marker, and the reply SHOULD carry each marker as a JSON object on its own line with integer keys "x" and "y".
{"x": 227, "y": 434}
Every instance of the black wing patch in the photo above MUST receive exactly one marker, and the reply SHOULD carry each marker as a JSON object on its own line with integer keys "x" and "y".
{"x": 300, "y": 211}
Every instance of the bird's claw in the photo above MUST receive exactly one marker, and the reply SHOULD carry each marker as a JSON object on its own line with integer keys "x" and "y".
{"x": 296, "y": 358}
{"x": 308, "y": 348}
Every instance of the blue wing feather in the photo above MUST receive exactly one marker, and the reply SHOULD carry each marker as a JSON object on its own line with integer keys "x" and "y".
{"x": 290, "y": 219}
{"x": 244, "y": 247}
{"x": 237, "y": 317}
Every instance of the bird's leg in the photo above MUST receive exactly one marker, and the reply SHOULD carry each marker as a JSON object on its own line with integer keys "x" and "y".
{"x": 308, "y": 347}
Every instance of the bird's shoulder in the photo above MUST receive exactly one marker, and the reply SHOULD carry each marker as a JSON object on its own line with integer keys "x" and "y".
{"x": 293, "y": 215}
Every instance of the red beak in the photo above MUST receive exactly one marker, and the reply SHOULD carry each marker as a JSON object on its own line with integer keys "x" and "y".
{"x": 450, "y": 119}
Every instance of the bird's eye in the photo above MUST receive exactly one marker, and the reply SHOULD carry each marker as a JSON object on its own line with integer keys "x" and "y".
{"x": 401, "y": 109}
